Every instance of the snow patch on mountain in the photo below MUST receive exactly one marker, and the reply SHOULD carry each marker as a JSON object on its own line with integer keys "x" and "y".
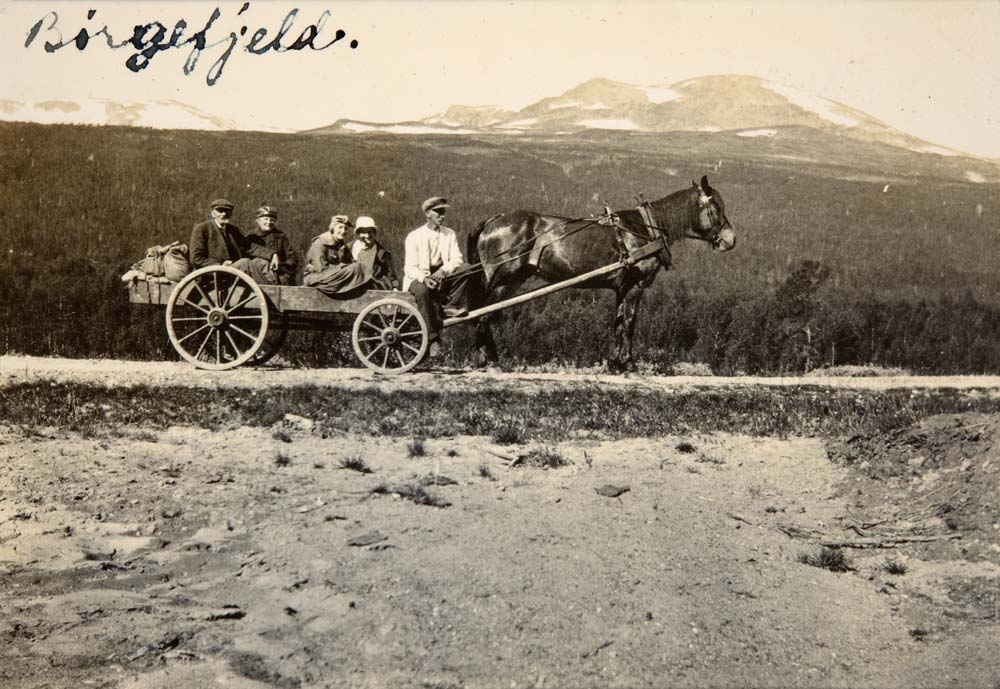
{"x": 938, "y": 150}
{"x": 360, "y": 127}
{"x": 608, "y": 124}
{"x": 660, "y": 94}
{"x": 160, "y": 114}
{"x": 757, "y": 132}
{"x": 814, "y": 104}
{"x": 975, "y": 177}
{"x": 526, "y": 122}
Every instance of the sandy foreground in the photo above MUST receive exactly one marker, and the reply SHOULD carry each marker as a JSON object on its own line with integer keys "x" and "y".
{"x": 164, "y": 557}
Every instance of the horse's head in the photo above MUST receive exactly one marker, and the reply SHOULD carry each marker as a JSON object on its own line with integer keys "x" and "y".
{"x": 711, "y": 222}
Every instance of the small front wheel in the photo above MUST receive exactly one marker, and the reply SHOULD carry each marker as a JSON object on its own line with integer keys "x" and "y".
{"x": 390, "y": 336}
{"x": 217, "y": 317}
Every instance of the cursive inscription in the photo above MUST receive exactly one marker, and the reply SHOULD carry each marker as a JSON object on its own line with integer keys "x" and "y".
{"x": 148, "y": 40}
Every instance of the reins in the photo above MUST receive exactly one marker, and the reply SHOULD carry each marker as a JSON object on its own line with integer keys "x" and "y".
{"x": 608, "y": 218}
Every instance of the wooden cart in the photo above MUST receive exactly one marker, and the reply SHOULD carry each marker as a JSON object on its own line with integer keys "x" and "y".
{"x": 219, "y": 318}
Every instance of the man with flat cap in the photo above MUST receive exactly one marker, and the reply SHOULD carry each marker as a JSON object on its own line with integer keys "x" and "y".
{"x": 217, "y": 240}
{"x": 273, "y": 256}
{"x": 330, "y": 267}
{"x": 434, "y": 269}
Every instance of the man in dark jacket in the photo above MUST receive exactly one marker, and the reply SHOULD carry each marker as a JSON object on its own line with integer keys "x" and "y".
{"x": 374, "y": 257}
{"x": 217, "y": 241}
{"x": 274, "y": 260}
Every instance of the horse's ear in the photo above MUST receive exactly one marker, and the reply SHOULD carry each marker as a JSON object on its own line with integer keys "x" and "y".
{"x": 704, "y": 184}
{"x": 694, "y": 184}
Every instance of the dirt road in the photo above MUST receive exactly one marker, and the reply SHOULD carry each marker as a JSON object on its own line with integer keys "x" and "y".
{"x": 116, "y": 372}
{"x": 276, "y": 557}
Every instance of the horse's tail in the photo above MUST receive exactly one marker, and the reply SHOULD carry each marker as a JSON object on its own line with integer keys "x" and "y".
{"x": 477, "y": 291}
{"x": 472, "y": 244}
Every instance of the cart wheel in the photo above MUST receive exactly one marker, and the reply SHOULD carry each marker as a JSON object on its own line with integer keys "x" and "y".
{"x": 277, "y": 333}
{"x": 390, "y": 336}
{"x": 217, "y": 317}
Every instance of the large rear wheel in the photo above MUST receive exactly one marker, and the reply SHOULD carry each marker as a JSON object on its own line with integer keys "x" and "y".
{"x": 390, "y": 336}
{"x": 217, "y": 318}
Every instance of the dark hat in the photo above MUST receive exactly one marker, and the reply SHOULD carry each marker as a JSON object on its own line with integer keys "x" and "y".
{"x": 222, "y": 204}
{"x": 266, "y": 212}
{"x": 433, "y": 203}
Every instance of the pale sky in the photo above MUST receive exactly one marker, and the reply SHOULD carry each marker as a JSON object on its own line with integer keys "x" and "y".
{"x": 931, "y": 69}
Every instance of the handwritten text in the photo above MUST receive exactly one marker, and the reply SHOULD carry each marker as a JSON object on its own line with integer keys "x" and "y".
{"x": 148, "y": 40}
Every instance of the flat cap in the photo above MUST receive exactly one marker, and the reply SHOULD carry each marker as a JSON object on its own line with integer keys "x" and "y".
{"x": 343, "y": 219}
{"x": 266, "y": 212}
{"x": 222, "y": 204}
{"x": 433, "y": 203}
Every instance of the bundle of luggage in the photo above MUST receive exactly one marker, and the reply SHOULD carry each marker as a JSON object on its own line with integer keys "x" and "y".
{"x": 167, "y": 263}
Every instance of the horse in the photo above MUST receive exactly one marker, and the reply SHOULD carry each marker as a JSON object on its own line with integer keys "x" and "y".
{"x": 512, "y": 247}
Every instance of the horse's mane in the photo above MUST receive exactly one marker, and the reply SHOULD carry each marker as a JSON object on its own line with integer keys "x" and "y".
{"x": 672, "y": 213}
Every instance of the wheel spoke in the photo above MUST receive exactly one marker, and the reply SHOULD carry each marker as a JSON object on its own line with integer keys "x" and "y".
{"x": 375, "y": 349}
{"x": 244, "y": 318}
{"x": 373, "y": 338}
{"x": 243, "y": 303}
{"x": 373, "y": 326}
{"x": 415, "y": 350}
{"x": 399, "y": 355}
{"x": 411, "y": 333}
{"x": 243, "y": 332}
{"x": 218, "y": 347}
{"x": 395, "y": 314}
{"x": 381, "y": 317}
{"x": 406, "y": 320}
{"x": 218, "y": 297}
{"x": 233, "y": 289}
{"x": 186, "y": 319}
{"x": 385, "y": 357}
{"x": 203, "y": 343}
{"x": 204, "y": 296}
{"x": 184, "y": 302}
{"x": 193, "y": 333}
{"x": 236, "y": 349}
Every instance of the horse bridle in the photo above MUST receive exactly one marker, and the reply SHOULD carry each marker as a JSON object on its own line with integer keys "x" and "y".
{"x": 705, "y": 202}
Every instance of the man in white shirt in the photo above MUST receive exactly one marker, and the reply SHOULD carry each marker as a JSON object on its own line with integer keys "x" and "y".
{"x": 434, "y": 271}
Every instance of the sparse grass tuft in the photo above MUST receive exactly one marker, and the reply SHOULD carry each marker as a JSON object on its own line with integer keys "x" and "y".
{"x": 356, "y": 463}
{"x": 919, "y": 634}
{"x": 685, "y": 447}
{"x": 282, "y": 436}
{"x": 414, "y": 492}
{"x": 416, "y": 448}
{"x": 282, "y": 459}
{"x": 546, "y": 458}
{"x": 832, "y": 559}
{"x": 709, "y": 459}
{"x": 510, "y": 430}
{"x": 382, "y": 488}
{"x": 485, "y": 472}
{"x": 894, "y": 567}
{"x": 418, "y": 495}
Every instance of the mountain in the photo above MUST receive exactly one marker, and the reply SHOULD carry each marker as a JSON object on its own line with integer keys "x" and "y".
{"x": 161, "y": 114}
{"x": 750, "y": 106}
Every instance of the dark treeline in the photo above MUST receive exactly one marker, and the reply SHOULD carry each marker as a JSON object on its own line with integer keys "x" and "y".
{"x": 835, "y": 265}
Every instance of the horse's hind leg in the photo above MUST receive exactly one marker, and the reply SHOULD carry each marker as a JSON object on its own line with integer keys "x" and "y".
{"x": 485, "y": 345}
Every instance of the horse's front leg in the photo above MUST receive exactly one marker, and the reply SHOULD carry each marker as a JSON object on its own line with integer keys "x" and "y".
{"x": 625, "y": 316}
